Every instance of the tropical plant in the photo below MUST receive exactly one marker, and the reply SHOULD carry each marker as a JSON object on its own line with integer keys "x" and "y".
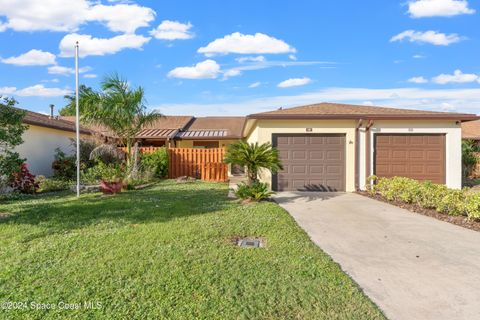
{"x": 254, "y": 157}
{"x": 156, "y": 161}
{"x": 23, "y": 181}
{"x": 119, "y": 108}
{"x": 70, "y": 108}
{"x": 64, "y": 166}
{"x": 257, "y": 191}
{"x": 469, "y": 157}
{"x": 11, "y": 131}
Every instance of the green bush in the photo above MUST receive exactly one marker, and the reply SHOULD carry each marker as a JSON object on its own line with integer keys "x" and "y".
{"x": 257, "y": 191}
{"x": 64, "y": 166}
{"x": 427, "y": 195}
{"x": 102, "y": 171}
{"x": 52, "y": 184}
{"x": 156, "y": 161}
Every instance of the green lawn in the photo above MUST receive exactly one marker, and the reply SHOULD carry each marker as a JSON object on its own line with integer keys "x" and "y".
{"x": 166, "y": 252}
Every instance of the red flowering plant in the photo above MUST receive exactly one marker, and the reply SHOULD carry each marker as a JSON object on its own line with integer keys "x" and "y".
{"x": 23, "y": 181}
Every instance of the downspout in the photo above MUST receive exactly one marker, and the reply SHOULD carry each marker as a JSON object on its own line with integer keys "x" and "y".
{"x": 367, "y": 150}
{"x": 357, "y": 154}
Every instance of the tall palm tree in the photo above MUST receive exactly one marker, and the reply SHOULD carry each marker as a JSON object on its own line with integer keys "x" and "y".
{"x": 69, "y": 109}
{"x": 119, "y": 108}
{"x": 254, "y": 157}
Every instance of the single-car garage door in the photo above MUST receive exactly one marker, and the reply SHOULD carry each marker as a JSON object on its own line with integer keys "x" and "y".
{"x": 415, "y": 156}
{"x": 310, "y": 162}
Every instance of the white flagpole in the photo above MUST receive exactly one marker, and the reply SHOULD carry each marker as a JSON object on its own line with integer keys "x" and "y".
{"x": 77, "y": 120}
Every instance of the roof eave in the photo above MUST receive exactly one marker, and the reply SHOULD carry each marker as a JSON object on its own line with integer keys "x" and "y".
{"x": 41, "y": 124}
{"x": 457, "y": 117}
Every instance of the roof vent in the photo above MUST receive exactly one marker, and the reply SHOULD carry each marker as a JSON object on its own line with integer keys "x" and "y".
{"x": 281, "y": 108}
{"x": 51, "y": 110}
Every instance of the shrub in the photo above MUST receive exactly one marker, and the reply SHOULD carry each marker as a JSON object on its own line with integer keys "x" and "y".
{"x": 23, "y": 181}
{"x": 51, "y": 185}
{"x": 428, "y": 195}
{"x": 257, "y": 191}
{"x": 156, "y": 161}
{"x": 102, "y": 171}
{"x": 64, "y": 166}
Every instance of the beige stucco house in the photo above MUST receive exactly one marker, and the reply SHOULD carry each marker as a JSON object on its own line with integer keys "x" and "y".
{"x": 43, "y": 136}
{"x": 335, "y": 147}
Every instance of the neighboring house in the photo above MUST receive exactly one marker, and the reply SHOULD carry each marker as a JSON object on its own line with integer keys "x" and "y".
{"x": 335, "y": 147}
{"x": 471, "y": 131}
{"x": 211, "y": 132}
{"x": 43, "y": 136}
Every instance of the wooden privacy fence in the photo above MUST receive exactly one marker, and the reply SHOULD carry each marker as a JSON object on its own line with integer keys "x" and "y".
{"x": 205, "y": 164}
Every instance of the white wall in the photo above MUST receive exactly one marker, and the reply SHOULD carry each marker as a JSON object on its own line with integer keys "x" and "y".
{"x": 39, "y": 146}
{"x": 453, "y": 138}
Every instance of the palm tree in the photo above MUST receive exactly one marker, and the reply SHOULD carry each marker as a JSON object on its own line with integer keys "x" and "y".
{"x": 119, "y": 108}
{"x": 254, "y": 157}
{"x": 69, "y": 109}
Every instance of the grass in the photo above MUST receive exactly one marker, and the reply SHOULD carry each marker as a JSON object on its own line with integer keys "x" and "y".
{"x": 165, "y": 253}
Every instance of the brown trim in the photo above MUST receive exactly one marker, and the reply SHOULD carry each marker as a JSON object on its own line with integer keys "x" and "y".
{"x": 210, "y": 138}
{"x": 52, "y": 126}
{"x": 457, "y": 117}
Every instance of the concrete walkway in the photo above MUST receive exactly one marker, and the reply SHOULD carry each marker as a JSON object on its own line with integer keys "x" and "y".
{"x": 411, "y": 266}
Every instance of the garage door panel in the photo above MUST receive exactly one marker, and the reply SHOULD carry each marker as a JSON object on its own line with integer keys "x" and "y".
{"x": 314, "y": 162}
{"x": 420, "y": 157}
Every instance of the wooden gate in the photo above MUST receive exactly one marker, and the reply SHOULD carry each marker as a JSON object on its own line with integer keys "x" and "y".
{"x": 205, "y": 164}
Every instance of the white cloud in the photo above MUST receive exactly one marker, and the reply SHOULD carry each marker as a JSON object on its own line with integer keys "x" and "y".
{"x": 292, "y": 57}
{"x": 462, "y": 100}
{"x": 250, "y": 59}
{"x": 57, "y": 15}
{"x": 7, "y": 90}
{"x": 38, "y": 90}
{"x": 457, "y": 77}
{"x": 90, "y": 76}
{"x": 172, "y": 30}
{"x": 431, "y": 37}
{"x": 122, "y": 17}
{"x": 239, "y": 43}
{"x": 255, "y": 84}
{"x": 438, "y": 8}
{"x": 294, "y": 82}
{"x": 32, "y": 58}
{"x": 231, "y": 73}
{"x": 89, "y": 46}
{"x": 208, "y": 69}
{"x": 419, "y": 56}
{"x": 418, "y": 80}
{"x": 66, "y": 70}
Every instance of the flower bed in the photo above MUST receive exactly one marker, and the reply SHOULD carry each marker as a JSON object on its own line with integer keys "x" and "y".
{"x": 427, "y": 196}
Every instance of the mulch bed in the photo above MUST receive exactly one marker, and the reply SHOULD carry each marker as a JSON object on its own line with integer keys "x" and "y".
{"x": 458, "y": 220}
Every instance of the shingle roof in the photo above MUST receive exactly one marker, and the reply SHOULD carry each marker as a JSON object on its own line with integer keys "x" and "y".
{"x": 38, "y": 119}
{"x": 214, "y": 127}
{"x": 348, "y": 111}
{"x": 156, "y": 133}
{"x": 471, "y": 130}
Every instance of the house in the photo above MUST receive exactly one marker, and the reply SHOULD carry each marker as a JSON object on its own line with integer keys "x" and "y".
{"x": 210, "y": 132}
{"x": 335, "y": 147}
{"x": 471, "y": 131}
{"x": 43, "y": 136}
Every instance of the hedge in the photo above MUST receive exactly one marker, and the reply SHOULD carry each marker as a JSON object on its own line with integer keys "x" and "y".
{"x": 427, "y": 195}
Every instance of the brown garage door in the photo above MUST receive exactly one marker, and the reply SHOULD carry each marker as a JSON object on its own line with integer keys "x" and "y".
{"x": 420, "y": 157}
{"x": 310, "y": 162}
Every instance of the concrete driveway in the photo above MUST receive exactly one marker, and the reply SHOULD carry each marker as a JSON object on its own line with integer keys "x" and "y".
{"x": 411, "y": 266}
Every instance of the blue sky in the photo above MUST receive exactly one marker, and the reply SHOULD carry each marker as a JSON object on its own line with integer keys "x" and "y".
{"x": 241, "y": 57}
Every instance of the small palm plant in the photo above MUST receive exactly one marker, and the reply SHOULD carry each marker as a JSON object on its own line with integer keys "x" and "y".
{"x": 254, "y": 157}
{"x": 120, "y": 108}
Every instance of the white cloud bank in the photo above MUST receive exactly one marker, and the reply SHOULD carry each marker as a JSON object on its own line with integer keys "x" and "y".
{"x": 461, "y": 100}
{"x": 31, "y": 58}
{"x": 239, "y": 43}
{"x": 38, "y": 90}
{"x": 172, "y": 30}
{"x": 208, "y": 69}
{"x": 438, "y": 8}
{"x": 58, "y": 15}
{"x": 90, "y": 46}
{"x": 65, "y": 71}
{"x": 457, "y": 77}
{"x": 431, "y": 37}
{"x": 294, "y": 82}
